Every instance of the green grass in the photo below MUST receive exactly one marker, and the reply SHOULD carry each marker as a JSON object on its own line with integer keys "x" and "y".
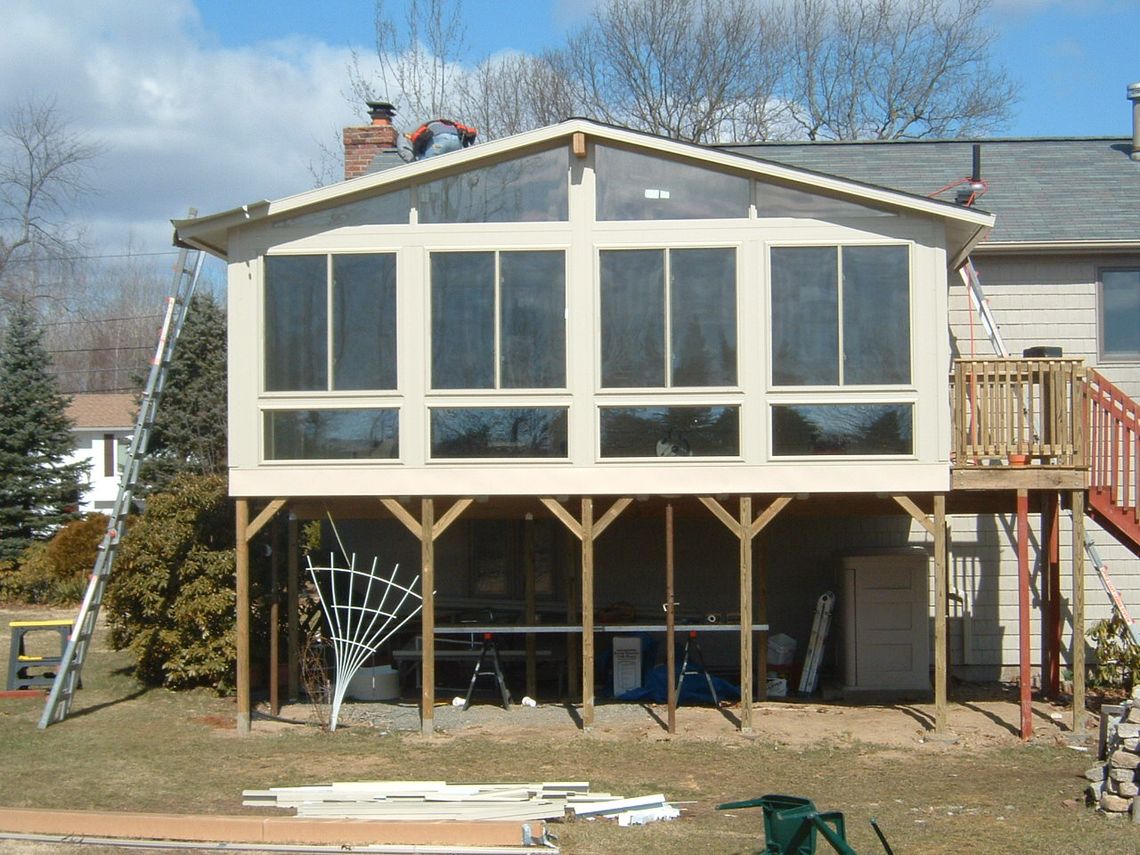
{"x": 126, "y": 748}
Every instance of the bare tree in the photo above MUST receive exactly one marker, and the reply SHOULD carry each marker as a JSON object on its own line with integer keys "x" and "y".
{"x": 43, "y": 167}
{"x": 511, "y": 93}
{"x": 893, "y": 69}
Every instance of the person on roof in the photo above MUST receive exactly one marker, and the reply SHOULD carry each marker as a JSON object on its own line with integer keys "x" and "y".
{"x": 438, "y": 136}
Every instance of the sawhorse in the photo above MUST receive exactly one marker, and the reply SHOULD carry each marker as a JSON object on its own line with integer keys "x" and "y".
{"x": 489, "y": 655}
{"x": 693, "y": 652}
{"x": 20, "y": 661}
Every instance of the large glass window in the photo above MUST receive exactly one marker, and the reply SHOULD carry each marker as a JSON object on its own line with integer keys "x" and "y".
{"x": 331, "y": 434}
{"x": 302, "y": 292}
{"x": 637, "y": 186}
{"x": 843, "y": 429}
{"x": 527, "y": 189}
{"x": 670, "y": 431}
{"x": 498, "y": 320}
{"x": 386, "y": 209}
{"x": 840, "y": 316}
{"x": 498, "y": 432}
{"x": 1120, "y": 314}
{"x": 668, "y": 317}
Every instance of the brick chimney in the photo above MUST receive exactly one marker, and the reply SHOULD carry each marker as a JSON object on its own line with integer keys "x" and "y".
{"x": 361, "y": 145}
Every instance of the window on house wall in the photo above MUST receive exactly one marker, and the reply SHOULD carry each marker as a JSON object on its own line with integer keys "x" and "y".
{"x": 312, "y": 300}
{"x": 346, "y": 434}
{"x": 108, "y": 455}
{"x": 670, "y": 431}
{"x": 668, "y": 318}
{"x": 632, "y": 185}
{"x": 1120, "y": 314}
{"x": 498, "y": 320}
{"x": 498, "y": 432}
{"x": 385, "y": 209}
{"x": 851, "y": 429}
{"x": 840, "y": 316}
{"x": 775, "y": 200}
{"x": 533, "y": 188}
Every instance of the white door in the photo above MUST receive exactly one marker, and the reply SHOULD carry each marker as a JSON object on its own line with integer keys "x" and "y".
{"x": 886, "y": 622}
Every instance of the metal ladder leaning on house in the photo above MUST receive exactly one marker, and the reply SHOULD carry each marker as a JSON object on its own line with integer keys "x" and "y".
{"x": 66, "y": 681}
{"x": 982, "y": 306}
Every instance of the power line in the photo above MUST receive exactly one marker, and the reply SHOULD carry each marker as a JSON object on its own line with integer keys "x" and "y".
{"x": 103, "y": 349}
{"x": 103, "y": 320}
{"x": 93, "y": 257}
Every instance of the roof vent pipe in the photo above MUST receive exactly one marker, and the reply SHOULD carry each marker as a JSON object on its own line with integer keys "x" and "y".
{"x": 1134, "y": 97}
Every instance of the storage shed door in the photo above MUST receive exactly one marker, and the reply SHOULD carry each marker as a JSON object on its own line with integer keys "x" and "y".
{"x": 886, "y": 622}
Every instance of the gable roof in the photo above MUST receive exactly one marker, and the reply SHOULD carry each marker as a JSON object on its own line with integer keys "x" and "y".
{"x": 90, "y": 410}
{"x": 964, "y": 226}
{"x": 1065, "y": 191}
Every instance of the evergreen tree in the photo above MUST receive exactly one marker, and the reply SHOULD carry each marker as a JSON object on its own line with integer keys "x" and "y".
{"x": 39, "y": 489}
{"x": 189, "y": 433}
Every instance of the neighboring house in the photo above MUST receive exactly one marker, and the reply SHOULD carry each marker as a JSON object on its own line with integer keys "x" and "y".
{"x": 103, "y": 423}
{"x": 514, "y": 366}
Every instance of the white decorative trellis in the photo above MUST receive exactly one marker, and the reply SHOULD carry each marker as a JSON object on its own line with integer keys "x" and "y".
{"x": 360, "y": 619}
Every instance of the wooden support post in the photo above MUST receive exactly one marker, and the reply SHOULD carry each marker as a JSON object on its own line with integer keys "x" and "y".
{"x": 1078, "y": 650}
{"x": 941, "y": 610}
{"x": 587, "y": 612}
{"x": 746, "y": 616}
{"x": 242, "y": 630}
{"x": 427, "y": 616}
{"x": 292, "y": 622}
{"x": 1051, "y": 585}
{"x": 573, "y": 641}
{"x": 528, "y": 593}
{"x": 274, "y": 619}
{"x": 1023, "y": 614}
{"x": 670, "y": 622}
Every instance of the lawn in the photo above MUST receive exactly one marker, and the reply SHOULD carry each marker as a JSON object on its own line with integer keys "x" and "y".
{"x": 130, "y": 748}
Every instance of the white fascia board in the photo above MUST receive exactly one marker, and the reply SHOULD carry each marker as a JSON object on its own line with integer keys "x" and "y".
{"x": 209, "y": 232}
{"x": 1057, "y": 246}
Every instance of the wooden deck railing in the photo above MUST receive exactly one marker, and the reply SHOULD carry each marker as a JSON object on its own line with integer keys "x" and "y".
{"x": 1010, "y": 412}
{"x": 1114, "y": 431}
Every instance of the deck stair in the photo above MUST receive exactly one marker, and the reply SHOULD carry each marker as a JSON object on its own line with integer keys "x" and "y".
{"x": 1114, "y": 454}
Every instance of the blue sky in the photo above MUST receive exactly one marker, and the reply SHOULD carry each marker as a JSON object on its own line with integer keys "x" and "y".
{"x": 216, "y": 103}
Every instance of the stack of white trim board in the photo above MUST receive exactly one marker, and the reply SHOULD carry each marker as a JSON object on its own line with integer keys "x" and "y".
{"x": 438, "y": 800}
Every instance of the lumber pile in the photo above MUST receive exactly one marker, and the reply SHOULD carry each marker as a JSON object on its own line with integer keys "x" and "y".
{"x": 441, "y": 801}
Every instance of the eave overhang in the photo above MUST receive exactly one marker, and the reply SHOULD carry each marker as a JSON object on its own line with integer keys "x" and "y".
{"x": 965, "y": 227}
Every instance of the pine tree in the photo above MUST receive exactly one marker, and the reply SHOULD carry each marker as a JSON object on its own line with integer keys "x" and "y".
{"x": 39, "y": 488}
{"x": 189, "y": 432}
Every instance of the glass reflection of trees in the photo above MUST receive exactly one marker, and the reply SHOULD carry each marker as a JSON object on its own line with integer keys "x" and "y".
{"x": 499, "y": 432}
{"x": 533, "y": 188}
{"x": 845, "y": 429}
{"x": 641, "y": 432}
{"x": 332, "y": 434}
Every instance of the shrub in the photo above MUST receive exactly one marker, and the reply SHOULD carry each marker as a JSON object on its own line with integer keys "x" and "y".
{"x": 56, "y": 571}
{"x": 171, "y": 599}
{"x": 1117, "y": 656}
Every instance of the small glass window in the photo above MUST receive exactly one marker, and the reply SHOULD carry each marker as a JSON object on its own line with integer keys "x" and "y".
{"x": 678, "y": 302}
{"x": 828, "y": 301}
{"x": 498, "y": 432}
{"x": 527, "y": 189}
{"x": 841, "y": 429}
{"x": 386, "y": 209}
{"x": 498, "y": 320}
{"x": 332, "y": 434}
{"x": 1120, "y": 314}
{"x": 301, "y": 292}
{"x": 775, "y": 200}
{"x": 670, "y": 431}
{"x": 636, "y": 186}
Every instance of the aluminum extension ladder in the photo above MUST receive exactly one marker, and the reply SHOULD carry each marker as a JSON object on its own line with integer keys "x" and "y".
{"x": 187, "y": 269}
{"x": 1110, "y": 589}
{"x": 820, "y": 628}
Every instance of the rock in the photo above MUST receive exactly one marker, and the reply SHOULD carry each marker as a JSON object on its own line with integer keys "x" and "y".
{"x": 1122, "y": 774}
{"x": 1136, "y": 693}
{"x": 1093, "y": 792}
{"x": 1096, "y": 773}
{"x": 1127, "y": 731}
{"x": 1128, "y": 789}
{"x": 1133, "y": 715}
{"x": 1131, "y": 744}
{"x": 1124, "y": 760}
{"x": 1114, "y": 804}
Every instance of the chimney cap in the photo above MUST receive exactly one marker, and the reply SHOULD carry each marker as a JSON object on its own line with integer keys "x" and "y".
{"x": 380, "y": 109}
{"x": 1133, "y": 91}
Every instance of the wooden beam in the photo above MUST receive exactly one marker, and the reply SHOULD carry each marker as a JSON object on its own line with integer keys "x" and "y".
{"x": 670, "y": 624}
{"x": 529, "y": 601}
{"x": 567, "y": 519}
{"x": 242, "y": 629}
{"x": 1078, "y": 650}
{"x": 919, "y": 516}
{"x": 745, "y": 614}
{"x": 275, "y": 621}
{"x": 427, "y": 616}
{"x": 941, "y": 609}
{"x": 587, "y": 612}
{"x": 721, "y": 514}
{"x": 267, "y": 513}
{"x": 401, "y": 513}
{"x": 451, "y": 516}
{"x": 292, "y": 621}
{"x": 609, "y": 516}
{"x": 1051, "y": 543}
{"x": 769, "y": 514}
{"x": 578, "y": 144}
{"x": 1026, "y": 699}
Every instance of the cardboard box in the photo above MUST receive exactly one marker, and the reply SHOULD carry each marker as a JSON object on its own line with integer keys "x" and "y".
{"x": 627, "y": 664}
{"x": 781, "y": 651}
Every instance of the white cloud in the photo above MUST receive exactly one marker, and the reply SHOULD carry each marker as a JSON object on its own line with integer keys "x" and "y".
{"x": 184, "y": 122}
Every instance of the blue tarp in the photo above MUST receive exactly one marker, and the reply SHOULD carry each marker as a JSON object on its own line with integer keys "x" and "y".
{"x": 695, "y": 689}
